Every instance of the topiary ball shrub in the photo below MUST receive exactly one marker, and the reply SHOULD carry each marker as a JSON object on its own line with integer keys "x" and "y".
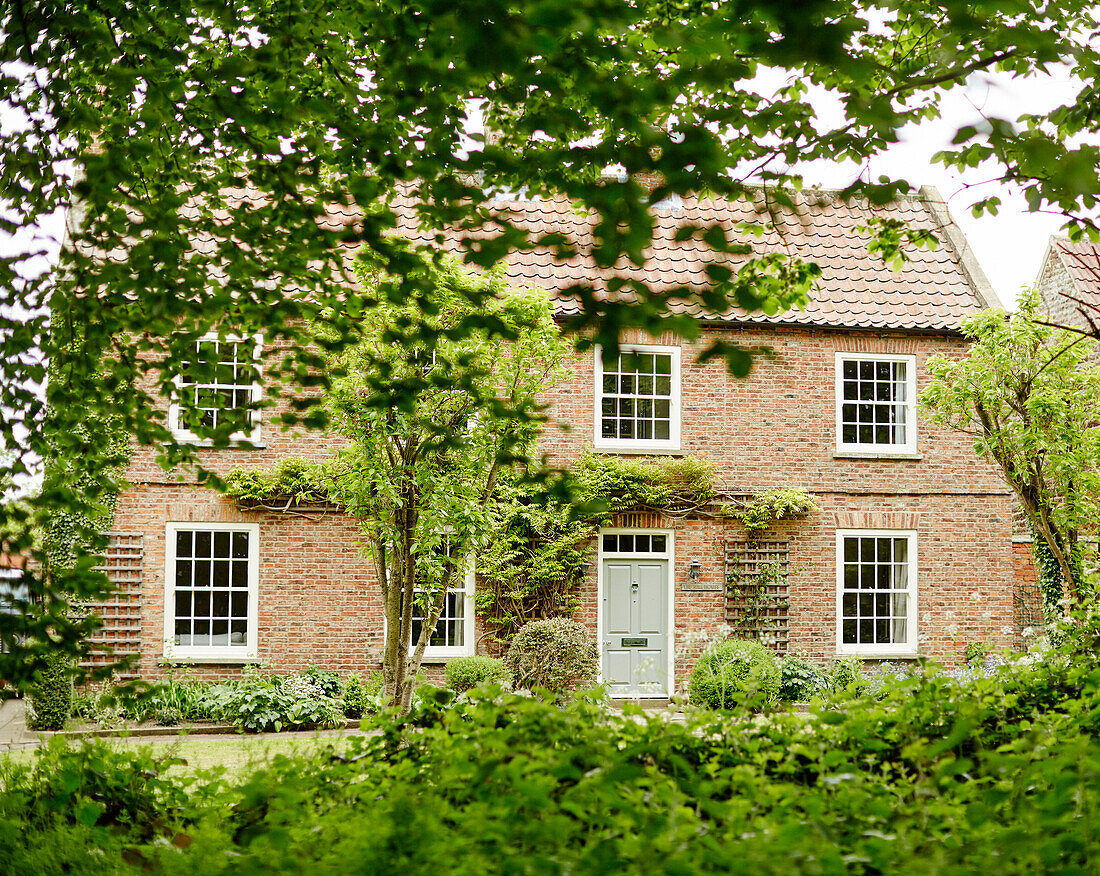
{"x": 466, "y": 673}
{"x": 734, "y": 672}
{"x": 50, "y": 695}
{"x": 799, "y": 679}
{"x": 557, "y": 654}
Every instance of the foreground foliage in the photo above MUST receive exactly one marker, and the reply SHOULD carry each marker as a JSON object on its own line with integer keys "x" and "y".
{"x": 1001, "y": 774}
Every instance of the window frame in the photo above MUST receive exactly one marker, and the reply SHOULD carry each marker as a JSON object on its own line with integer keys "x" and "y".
{"x": 211, "y": 653}
{"x": 909, "y": 448}
{"x": 253, "y": 435}
{"x": 640, "y": 445}
{"x": 438, "y": 653}
{"x": 909, "y": 648}
{"x": 13, "y": 589}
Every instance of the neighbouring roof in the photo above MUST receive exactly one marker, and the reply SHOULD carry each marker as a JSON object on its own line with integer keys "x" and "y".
{"x": 1081, "y": 261}
{"x": 935, "y": 291}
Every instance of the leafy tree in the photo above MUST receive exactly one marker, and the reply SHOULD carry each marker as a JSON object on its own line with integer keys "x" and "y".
{"x": 168, "y": 110}
{"x": 1029, "y": 396}
{"x": 423, "y": 461}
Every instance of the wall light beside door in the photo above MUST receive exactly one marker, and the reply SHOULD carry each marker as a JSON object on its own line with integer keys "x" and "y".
{"x": 693, "y": 571}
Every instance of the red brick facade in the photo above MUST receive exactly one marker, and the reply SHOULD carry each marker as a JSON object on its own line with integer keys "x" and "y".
{"x": 318, "y": 602}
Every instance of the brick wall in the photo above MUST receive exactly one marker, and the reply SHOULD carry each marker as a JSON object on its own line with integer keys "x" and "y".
{"x": 319, "y": 602}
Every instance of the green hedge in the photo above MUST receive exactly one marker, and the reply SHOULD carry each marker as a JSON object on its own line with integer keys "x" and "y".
{"x": 997, "y": 774}
{"x": 466, "y": 673}
{"x": 50, "y": 695}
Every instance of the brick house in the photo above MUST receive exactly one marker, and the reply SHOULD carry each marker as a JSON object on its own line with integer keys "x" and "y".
{"x": 910, "y": 554}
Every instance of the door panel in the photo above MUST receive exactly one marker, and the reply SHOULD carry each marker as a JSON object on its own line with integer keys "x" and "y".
{"x": 618, "y": 578}
{"x": 635, "y": 639}
{"x": 651, "y": 604}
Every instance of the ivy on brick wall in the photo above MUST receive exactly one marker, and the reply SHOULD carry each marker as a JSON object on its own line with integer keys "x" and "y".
{"x": 531, "y": 565}
{"x": 293, "y": 481}
{"x": 766, "y": 508}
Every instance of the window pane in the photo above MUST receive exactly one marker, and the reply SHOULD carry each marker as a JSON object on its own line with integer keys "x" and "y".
{"x": 658, "y": 543}
{"x": 850, "y": 605}
{"x": 240, "y": 605}
{"x": 203, "y": 544}
{"x": 221, "y": 573}
{"x": 221, "y": 544}
{"x": 661, "y": 430}
{"x": 848, "y": 632}
{"x": 663, "y": 363}
{"x": 240, "y": 545}
{"x": 183, "y": 543}
{"x": 641, "y": 543}
{"x": 610, "y": 543}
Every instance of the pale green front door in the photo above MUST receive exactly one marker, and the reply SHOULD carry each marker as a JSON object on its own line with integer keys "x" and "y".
{"x": 635, "y": 639}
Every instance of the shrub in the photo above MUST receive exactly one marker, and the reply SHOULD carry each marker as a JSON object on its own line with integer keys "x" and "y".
{"x": 976, "y": 652}
{"x": 169, "y": 716}
{"x": 799, "y": 679}
{"x": 464, "y": 673}
{"x": 257, "y": 703}
{"x": 847, "y": 676}
{"x": 327, "y": 681}
{"x": 361, "y": 696}
{"x": 735, "y": 672}
{"x": 557, "y": 654}
{"x": 50, "y": 695}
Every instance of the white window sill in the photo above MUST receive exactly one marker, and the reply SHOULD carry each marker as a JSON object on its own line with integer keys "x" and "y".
{"x": 636, "y": 449}
{"x": 904, "y": 455}
{"x": 445, "y": 658}
{"x": 912, "y": 654}
{"x": 198, "y": 658}
{"x": 234, "y": 444}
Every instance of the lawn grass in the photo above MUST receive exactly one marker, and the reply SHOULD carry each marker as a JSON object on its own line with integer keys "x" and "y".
{"x": 239, "y": 755}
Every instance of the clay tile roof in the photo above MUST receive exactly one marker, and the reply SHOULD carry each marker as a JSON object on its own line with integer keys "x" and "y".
{"x": 934, "y": 291}
{"x": 1082, "y": 262}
